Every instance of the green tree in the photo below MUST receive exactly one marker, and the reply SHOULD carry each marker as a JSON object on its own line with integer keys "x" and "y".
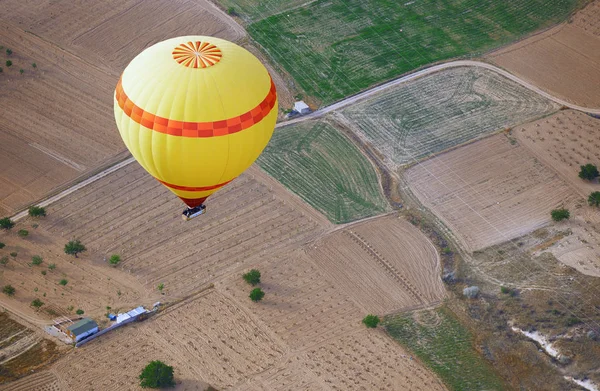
{"x": 560, "y": 214}
{"x": 594, "y": 199}
{"x": 8, "y": 51}
{"x": 8, "y": 290}
{"x": 37, "y": 303}
{"x": 34, "y": 65}
{"x": 8, "y": 63}
{"x": 252, "y": 277}
{"x": 371, "y": 321}
{"x": 23, "y": 233}
{"x": 114, "y": 259}
{"x": 74, "y": 247}
{"x": 63, "y": 282}
{"x": 2, "y": 245}
{"x": 37, "y": 211}
{"x": 37, "y": 260}
{"x": 21, "y": 71}
{"x": 6, "y": 223}
{"x": 79, "y": 311}
{"x": 257, "y": 294}
{"x": 157, "y": 375}
{"x": 588, "y": 172}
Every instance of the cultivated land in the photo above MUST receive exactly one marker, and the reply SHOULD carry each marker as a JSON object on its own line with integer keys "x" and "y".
{"x": 489, "y": 191}
{"x": 413, "y": 121}
{"x": 564, "y": 61}
{"x": 317, "y": 162}
{"x": 367, "y": 42}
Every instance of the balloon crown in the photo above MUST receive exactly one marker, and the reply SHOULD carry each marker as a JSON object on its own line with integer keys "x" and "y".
{"x": 197, "y": 54}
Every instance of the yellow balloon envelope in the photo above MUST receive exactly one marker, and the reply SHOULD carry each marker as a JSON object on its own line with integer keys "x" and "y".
{"x": 195, "y": 112}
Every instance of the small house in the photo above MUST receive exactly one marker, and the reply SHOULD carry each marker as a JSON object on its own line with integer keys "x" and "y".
{"x": 81, "y": 329}
{"x": 301, "y": 107}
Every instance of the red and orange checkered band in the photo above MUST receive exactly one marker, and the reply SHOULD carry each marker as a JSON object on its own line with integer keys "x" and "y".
{"x": 189, "y": 188}
{"x": 196, "y": 129}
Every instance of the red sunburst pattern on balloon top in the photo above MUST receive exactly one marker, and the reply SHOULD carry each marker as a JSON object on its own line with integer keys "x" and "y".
{"x": 197, "y": 54}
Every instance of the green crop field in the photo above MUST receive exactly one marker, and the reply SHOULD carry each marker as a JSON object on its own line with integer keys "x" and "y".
{"x": 335, "y": 48}
{"x": 325, "y": 169}
{"x": 428, "y": 115}
{"x": 442, "y": 343}
{"x": 255, "y": 10}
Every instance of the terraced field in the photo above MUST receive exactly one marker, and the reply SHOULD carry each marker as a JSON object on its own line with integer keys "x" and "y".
{"x": 334, "y": 48}
{"x": 416, "y": 120}
{"x": 315, "y": 161}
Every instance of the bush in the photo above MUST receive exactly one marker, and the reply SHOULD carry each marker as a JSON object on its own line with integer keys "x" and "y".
{"x": 572, "y": 321}
{"x": 79, "y": 311}
{"x": 114, "y": 259}
{"x": 471, "y": 292}
{"x": 34, "y": 65}
{"x": 37, "y": 260}
{"x": 37, "y": 303}
{"x": 43, "y": 272}
{"x": 13, "y": 254}
{"x": 8, "y": 63}
{"x": 37, "y": 211}
{"x": 52, "y": 266}
{"x": 157, "y": 375}
{"x": 4, "y": 260}
{"x": 257, "y": 294}
{"x": 594, "y": 199}
{"x": 371, "y": 321}
{"x": 8, "y": 290}
{"x": 161, "y": 286}
{"x": 560, "y": 214}
{"x": 21, "y": 71}
{"x": 231, "y": 11}
{"x": 588, "y": 172}
{"x": 23, "y": 233}
{"x": 6, "y": 223}
{"x": 74, "y": 247}
{"x": 8, "y": 51}
{"x": 63, "y": 282}
{"x": 504, "y": 290}
{"x": 2, "y": 245}
{"x": 252, "y": 277}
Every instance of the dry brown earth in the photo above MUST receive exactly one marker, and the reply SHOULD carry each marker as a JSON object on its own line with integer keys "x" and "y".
{"x": 565, "y": 60}
{"x": 489, "y": 191}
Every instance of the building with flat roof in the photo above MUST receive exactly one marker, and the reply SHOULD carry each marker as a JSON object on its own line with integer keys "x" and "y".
{"x": 81, "y": 329}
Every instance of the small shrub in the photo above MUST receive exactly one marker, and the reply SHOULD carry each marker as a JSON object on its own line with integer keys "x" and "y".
{"x": 13, "y": 254}
{"x": 8, "y": 63}
{"x": 371, "y": 321}
{"x": 588, "y": 172}
{"x": 37, "y": 211}
{"x": 23, "y": 233}
{"x": 8, "y": 51}
{"x": 70, "y": 308}
{"x": 231, "y": 11}
{"x": 2, "y": 245}
{"x": 6, "y": 223}
{"x": 446, "y": 251}
{"x": 52, "y": 266}
{"x": 560, "y": 214}
{"x": 63, "y": 282}
{"x": 4, "y": 260}
{"x": 594, "y": 199}
{"x": 114, "y": 259}
{"x": 37, "y": 303}
{"x": 43, "y": 272}
{"x": 79, "y": 311}
{"x": 21, "y": 71}
{"x": 572, "y": 321}
{"x": 252, "y": 277}
{"x": 157, "y": 375}
{"x": 37, "y": 260}
{"x": 257, "y": 294}
{"x": 161, "y": 286}
{"x": 505, "y": 290}
{"x": 34, "y": 65}
{"x": 8, "y": 290}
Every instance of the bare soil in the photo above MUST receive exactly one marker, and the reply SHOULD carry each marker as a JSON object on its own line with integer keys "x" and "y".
{"x": 489, "y": 191}
{"x": 565, "y": 60}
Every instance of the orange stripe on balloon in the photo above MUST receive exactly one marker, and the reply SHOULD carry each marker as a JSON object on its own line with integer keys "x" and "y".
{"x": 196, "y": 129}
{"x": 188, "y": 188}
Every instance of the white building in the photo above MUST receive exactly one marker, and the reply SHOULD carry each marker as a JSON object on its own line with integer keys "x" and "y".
{"x": 82, "y": 329}
{"x": 302, "y": 107}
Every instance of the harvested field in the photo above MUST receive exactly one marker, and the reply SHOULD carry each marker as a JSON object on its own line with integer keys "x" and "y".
{"x": 489, "y": 191}
{"x": 40, "y": 381}
{"x": 385, "y": 265}
{"x": 564, "y": 61}
{"x": 131, "y": 214}
{"x": 564, "y": 141}
{"x": 337, "y": 48}
{"x": 317, "y": 162}
{"x": 440, "y": 111}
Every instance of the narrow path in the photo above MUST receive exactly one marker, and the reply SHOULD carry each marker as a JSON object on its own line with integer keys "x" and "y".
{"x": 342, "y": 104}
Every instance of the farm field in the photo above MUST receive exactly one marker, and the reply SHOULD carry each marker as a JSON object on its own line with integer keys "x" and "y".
{"x": 367, "y": 42}
{"x": 442, "y": 342}
{"x": 317, "y": 162}
{"x": 565, "y": 61}
{"x": 489, "y": 191}
{"x": 417, "y": 120}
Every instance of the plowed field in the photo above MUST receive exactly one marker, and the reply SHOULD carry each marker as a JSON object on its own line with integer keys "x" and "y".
{"x": 490, "y": 191}
{"x": 426, "y": 116}
{"x": 564, "y": 61}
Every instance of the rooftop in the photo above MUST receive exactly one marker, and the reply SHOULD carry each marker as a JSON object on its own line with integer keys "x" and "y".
{"x": 82, "y": 326}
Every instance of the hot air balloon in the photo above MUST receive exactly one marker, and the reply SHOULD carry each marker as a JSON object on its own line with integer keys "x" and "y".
{"x": 195, "y": 112}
